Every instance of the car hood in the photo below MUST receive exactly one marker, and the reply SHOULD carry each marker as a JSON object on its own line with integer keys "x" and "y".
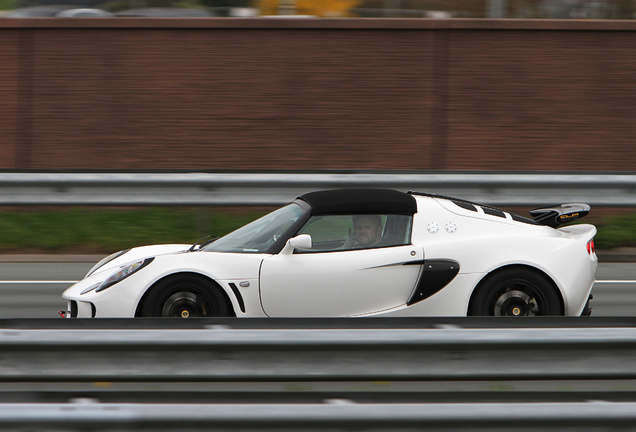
{"x": 135, "y": 254}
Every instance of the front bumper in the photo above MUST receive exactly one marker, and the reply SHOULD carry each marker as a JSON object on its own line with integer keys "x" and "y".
{"x": 78, "y": 309}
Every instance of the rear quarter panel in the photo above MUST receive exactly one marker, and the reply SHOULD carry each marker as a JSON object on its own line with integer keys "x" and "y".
{"x": 484, "y": 243}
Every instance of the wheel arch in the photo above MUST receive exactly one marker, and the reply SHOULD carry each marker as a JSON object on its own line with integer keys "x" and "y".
{"x": 212, "y": 282}
{"x": 486, "y": 277}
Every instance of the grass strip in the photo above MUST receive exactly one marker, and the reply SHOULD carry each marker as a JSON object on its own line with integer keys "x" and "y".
{"x": 105, "y": 230}
{"x": 616, "y": 231}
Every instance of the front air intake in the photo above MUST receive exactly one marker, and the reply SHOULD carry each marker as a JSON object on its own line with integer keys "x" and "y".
{"x": 72, "y": 306}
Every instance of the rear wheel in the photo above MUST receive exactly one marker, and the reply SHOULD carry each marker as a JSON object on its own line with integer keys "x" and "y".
{"x": 185, "y": 296}
{"x": 516, "y": 292}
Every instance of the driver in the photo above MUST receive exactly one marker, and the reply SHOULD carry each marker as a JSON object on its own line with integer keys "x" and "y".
{"x": 367, "y": 232}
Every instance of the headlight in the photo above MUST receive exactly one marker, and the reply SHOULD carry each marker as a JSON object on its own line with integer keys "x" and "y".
{"x": 123, "y": 272}
{"x": 90, "y": 288}
{"x": 106, "y": 260}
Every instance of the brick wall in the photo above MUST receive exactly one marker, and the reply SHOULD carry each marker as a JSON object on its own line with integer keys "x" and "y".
{"x": 313, "y": 94}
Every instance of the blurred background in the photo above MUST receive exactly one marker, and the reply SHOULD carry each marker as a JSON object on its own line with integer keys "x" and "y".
{"x": 526, "y": 9}
{"x": 305, "y": 94}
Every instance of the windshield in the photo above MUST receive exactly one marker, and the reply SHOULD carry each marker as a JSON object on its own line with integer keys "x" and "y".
{"x": 258, "y": 236}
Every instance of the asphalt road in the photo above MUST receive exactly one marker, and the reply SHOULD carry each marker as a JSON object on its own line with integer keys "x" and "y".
{"x": 33, "y": 289}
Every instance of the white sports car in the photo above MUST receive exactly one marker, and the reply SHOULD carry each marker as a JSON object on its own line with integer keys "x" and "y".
{"x": 358, "y": 252}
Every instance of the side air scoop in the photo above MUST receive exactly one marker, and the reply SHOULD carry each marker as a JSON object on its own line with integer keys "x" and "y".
{"x": 556, "y": 216}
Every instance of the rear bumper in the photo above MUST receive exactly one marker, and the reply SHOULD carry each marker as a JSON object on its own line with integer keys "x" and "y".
{"x": 587, "y": 310}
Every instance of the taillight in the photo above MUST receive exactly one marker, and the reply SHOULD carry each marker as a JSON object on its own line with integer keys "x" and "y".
{"x": 590, "y": 247}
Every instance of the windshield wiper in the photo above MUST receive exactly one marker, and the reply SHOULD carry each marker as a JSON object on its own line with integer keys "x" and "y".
{"x": 202, "y": 243}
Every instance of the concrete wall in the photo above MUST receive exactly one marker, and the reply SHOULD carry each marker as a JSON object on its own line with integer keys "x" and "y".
{"x": 313, "y": 94}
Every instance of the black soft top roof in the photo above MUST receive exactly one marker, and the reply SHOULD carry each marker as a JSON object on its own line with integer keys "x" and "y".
{"x": 360, "y": 201}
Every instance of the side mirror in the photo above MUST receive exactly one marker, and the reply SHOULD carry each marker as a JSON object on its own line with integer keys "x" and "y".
{"x": 302, "y": 242}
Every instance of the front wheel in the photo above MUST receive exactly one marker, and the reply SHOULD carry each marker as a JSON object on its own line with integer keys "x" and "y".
{"x": 515, "y": 292}
{"x": 185, "y": 296}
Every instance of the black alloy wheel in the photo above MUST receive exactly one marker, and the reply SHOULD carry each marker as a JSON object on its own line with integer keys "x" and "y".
{"x": 515, "y": 292}
{"x": 185, "y": 296}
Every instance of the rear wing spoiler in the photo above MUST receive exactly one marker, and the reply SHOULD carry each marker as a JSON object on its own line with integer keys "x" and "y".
{"x": 556, "y": 216}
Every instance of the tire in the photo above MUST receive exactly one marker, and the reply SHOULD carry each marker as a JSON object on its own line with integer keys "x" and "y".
{"x": 515, "y": 292}
{"x": 185, "y": 296}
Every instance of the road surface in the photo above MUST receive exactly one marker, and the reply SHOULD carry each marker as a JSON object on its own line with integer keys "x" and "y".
{"x": 33, "y": 289}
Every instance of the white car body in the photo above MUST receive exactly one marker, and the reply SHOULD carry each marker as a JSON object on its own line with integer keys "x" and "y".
{"x": 407, "y": 279}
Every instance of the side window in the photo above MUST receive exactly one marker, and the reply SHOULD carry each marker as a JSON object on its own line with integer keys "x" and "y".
{"x": 349, "y": 232}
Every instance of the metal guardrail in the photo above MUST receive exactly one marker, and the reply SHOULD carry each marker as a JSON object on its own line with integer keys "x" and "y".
{"x": 81, "y": 365}
{"x": 368, "y": 323}
{"x": 590, "y": 416}
{"x": 272, "y": 189}
{"x": 226, "y": 354}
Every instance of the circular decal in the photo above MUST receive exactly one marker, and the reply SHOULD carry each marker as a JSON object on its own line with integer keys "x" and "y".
{"x": 185, "y": 314}
{"x": 451, "y": 227}
{"x": 432, "y": 227}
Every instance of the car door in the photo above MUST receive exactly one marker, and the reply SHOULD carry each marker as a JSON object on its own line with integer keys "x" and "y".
{"x": 328, "y": 281}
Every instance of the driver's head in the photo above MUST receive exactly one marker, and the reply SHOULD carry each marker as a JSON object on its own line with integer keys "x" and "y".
{"x": 368, "y": 229}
